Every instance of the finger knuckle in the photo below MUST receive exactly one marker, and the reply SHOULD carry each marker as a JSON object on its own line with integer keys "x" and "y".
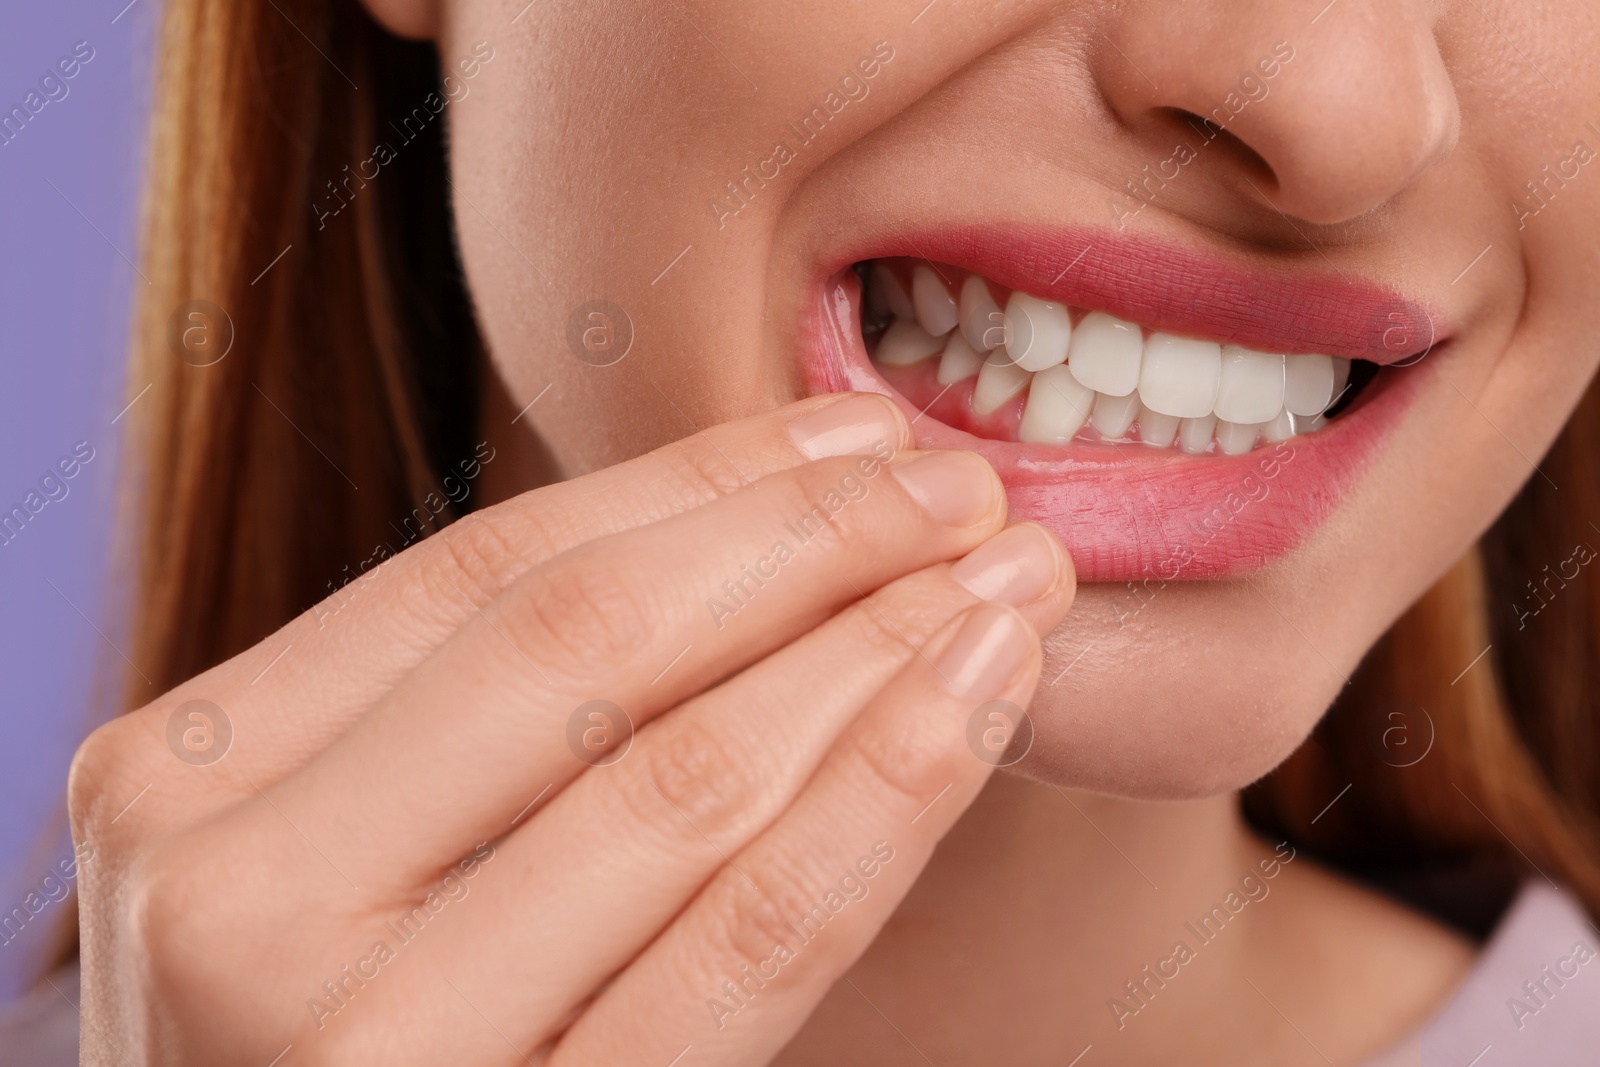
{"x": 698, "y": 471}
{"x": 473, "y": 558}
{"x": 582, "y": 617}
{"x": 830, "y": 504}
{"x": 713, "y": 786}
{"x": 159, "y": 903}
{"x": 102, "y": 769}
{"x": 750, "y": 915}
{"x": 171, "y": 906}
{"x": 894, "y": 623}
{"x": 900, "y": 758}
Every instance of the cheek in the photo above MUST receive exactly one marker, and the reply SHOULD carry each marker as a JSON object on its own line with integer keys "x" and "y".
{"x": 549, "y": 233}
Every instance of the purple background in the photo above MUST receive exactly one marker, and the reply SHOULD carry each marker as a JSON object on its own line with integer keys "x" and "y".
{"x": 69, "y": 185}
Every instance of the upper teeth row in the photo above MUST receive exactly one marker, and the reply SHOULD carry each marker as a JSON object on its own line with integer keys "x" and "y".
{"x": 1102, "y": 370}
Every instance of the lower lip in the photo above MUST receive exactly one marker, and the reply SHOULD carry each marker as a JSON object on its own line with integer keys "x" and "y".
{"x": 1128, "y": 512}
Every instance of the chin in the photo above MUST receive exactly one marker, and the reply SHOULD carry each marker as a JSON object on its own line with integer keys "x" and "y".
{"x": 1187, "y": 425}
{"x": 1200, "y": 694}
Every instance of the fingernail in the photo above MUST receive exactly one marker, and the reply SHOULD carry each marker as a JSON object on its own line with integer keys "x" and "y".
{"x": 992, "y": 645}
{"x": 862, "y": 424}
{"x": 956, "y": 488}
{"x": 1016, "y": 566}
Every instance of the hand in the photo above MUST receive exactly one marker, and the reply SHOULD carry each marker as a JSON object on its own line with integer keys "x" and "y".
{"x": 422, "y": 846}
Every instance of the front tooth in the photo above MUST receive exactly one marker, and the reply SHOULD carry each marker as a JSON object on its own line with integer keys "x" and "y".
{"x": 1113, "y": 415}
{"x": 1037, "y": 332}
{"x": 1235, "y": 438}
{"x": 1194, "y": 435}
{"x": 1341, "y": 378}
{"x": 1281, "y": 428}
{"x": 886, "y": 287}
{"x": 981, "y": 321}
{"x": 1180, "y": 375}
{"x": 1158, "y": 430}
{"x": 959, "y": 360}
{"x": 904, "y": 343}
{"x": 1058, "y": 406}
{"x": 1106, "y": 354}
{"x": 936, "y": 310}
{"x": 1251, "y": 388}
{"x": 998, "y": 381}
{"x": 1308, "y": 384}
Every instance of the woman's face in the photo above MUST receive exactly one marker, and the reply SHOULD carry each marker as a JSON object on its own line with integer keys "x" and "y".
{"x": 691, "y": 186}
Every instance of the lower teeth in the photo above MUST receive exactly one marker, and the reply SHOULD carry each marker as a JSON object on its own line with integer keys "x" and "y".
{"x": 1173, "y": 389}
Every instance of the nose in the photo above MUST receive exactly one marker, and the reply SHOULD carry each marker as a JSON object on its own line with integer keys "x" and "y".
{"x": 1329, "y": 115}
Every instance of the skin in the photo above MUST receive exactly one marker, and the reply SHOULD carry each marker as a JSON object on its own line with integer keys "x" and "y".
{"x": 1391, "y": 148}
{"x": 515, "y": 618}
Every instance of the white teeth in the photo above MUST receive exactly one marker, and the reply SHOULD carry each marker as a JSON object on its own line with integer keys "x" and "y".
{"x": 887, "y": 289}
{"x": 904, "y": 343}
{"x": 1281, "y": 428}
{"x": 1106, "y": 354}
{"x": 959, "y": 360}
{"x": 1235, "y": 439}
{"x": 936, "y": 309}
{"x": 1158, "y": 430}
{"x": 1113, "y": 415}
{"x": 1308, "y": 384}
{"x": 1341, "y": 378}
{"x": 1180, "y": 375}
{"x": 1037, "y": 332}
{"x": 1194, "y": 435}
{"x": 1058, "y": 406}
{"x": 1251, "y": 389}
{"x": 998, "y": 381}
{"x": 1104, "y": 373}
{"x": 982, "y": 324}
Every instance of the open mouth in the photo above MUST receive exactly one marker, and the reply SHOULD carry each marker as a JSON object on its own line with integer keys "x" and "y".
{"x": 1169, "y": 413}
{"x": 1010, "y": 366}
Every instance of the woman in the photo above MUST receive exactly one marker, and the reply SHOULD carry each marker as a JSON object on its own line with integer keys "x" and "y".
{"x": 1196, "y": 352}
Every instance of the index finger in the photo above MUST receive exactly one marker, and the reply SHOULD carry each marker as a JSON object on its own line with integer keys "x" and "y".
{"x": 317, "y": 675}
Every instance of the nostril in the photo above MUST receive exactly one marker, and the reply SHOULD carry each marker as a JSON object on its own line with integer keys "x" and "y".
{"x": 1207, "y": 137}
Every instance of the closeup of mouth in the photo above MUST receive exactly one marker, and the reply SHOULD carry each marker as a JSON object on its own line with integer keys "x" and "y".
{"x": 1171, "y": 415}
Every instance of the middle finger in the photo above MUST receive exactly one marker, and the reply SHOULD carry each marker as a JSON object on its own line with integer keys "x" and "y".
{"x": 621, "y": 850}
{"x": 644, "y": 619}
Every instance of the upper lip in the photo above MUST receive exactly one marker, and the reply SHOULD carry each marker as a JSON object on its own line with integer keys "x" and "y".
{"x": 1184, "y": 291}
